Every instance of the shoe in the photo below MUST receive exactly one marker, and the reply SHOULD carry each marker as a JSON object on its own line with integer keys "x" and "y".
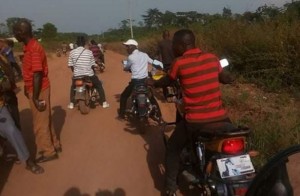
{"x": 58, "y": 150}
{"x": 71, "y": 105}
{"x": 33, "y": 167}
{"x": 43, "y": 159}
{"x": 105, "y": 104}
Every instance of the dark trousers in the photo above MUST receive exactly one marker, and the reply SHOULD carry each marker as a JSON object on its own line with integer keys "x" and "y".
{"x": 127, "y": 92}
{"x": 17, "y": 68}
{"x": 12, "y": 106}
{"x": 181, "y": 136}
{"x": 98, "y": 86}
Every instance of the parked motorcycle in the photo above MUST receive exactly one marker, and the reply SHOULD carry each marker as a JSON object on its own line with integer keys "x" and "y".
{"x": 86, "y": 96}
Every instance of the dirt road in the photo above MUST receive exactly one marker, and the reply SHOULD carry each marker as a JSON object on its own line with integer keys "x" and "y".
{"x": 101, "y": 155}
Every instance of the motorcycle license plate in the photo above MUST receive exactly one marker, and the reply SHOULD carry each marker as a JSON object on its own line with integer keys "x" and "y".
{"x": 235, "y": 166}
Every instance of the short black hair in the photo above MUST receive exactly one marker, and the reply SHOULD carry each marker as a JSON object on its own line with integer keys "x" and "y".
{"x": 93, "y": 42}
{"x": 184, "y": 36}
{"x": 80, "y": 41}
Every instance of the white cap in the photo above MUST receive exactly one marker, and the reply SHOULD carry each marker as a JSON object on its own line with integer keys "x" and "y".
{"x": 131, "y": 42}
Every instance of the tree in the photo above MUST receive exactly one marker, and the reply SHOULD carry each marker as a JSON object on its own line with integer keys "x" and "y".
{"x": 3, "y": 29}
{"x": 49, "y": 31}
{"x": 152, "y": 18}
{"x": 227, "y": 12}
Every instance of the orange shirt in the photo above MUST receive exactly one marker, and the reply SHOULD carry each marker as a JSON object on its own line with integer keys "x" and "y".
{"x": 199, "y": 78}
{"x": 34, "y": 60}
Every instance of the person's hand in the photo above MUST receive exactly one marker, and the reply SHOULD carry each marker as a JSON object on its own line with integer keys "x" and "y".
{"x": 26, "y": 93}
{"x": 40, "y": 105}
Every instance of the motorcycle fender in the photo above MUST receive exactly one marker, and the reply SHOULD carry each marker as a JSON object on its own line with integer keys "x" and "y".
{"x": 80, "y": 93}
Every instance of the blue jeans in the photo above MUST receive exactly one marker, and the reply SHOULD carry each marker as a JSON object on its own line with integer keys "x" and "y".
{"x": 9, "y": 131}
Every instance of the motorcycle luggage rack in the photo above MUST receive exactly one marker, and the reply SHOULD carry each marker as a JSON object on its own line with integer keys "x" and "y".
{"x": 223, "y": 129}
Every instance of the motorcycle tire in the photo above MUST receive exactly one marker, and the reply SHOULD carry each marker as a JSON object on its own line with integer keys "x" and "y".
{"x": 83, "y": 107}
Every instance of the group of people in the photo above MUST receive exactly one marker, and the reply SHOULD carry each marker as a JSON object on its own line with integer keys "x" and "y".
{"x": 199, "y": 74}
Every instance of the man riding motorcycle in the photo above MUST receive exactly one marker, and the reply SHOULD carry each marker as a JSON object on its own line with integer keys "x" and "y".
{"x": 199, "y": 75}
{"x": 137, "y": 64}
{"x": 81, "y": 61}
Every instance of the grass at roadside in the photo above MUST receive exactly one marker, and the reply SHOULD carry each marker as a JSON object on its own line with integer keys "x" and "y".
{"x": 274, "y": 118}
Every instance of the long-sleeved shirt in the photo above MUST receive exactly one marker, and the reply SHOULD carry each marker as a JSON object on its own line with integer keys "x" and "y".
{"x": 138, "y": 62}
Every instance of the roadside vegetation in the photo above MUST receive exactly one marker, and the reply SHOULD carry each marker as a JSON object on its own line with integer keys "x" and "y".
{"x": 263, "y": 48}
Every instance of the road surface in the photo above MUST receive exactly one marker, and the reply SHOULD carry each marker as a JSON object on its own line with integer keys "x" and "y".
{"x": 101, "y": 156}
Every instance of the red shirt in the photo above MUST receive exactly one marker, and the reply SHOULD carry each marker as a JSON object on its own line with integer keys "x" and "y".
{"x": 199, "y": 78}
{"x": 34, "y": 60}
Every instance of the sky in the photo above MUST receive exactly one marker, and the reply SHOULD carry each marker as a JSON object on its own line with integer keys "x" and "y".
{"x": 97, "y": 16}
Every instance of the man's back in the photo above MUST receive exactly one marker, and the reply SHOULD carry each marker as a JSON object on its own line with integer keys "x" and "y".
{"x": 138, "y": 62}
{"x": 165, "y": 50}
{"x": 81, "y": 60}
{"x": 199, "y": 77}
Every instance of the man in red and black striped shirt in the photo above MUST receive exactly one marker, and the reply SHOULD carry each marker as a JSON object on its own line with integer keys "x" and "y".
{"x": 199, "y": 75}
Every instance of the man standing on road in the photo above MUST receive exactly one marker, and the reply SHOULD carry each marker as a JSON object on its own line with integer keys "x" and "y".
{"x": 164, "y": 50}
{"x": 37, "y": 90}
{"x": 165, "y": 54}
{"x": 82, "y": 61}
{"x": 199, "y": 75}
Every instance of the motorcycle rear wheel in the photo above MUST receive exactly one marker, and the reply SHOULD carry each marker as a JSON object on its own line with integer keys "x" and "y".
{"x": 83, "y": 107}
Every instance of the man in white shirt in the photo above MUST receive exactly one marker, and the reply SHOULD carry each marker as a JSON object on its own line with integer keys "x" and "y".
{"x": 81, "y": 61}
{"x": 137, "y": 62}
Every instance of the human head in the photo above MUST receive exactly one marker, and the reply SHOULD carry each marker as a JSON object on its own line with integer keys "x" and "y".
{"x": 10, "y": 43}
{"x": 80, "y": 41}
{"x": 183, "y": 40}
{"x": 131, "y": 45}
{"x": 23, "y": 31}
{"x": 93, "y": 42}
{"x": 166, "y": 34}
{"x": 2, "y": 43}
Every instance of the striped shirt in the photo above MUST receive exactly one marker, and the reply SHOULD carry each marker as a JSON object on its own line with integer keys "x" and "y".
{"x": 199, "y": 78}
{"x": 34, "y": 60}
{"x": 138, "y": 63}
{"x": 81, "y": 60}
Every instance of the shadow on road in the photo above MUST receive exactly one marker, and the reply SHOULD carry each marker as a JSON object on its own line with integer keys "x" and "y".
{"x": 27, "y": 129}
{"x": 5, "y": 168}
{"x": 58, "y": 119}
{"x": 74, "y": 191}
{"x": 154, "y": 148}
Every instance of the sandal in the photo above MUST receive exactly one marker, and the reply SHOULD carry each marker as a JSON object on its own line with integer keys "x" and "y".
{"x": 35, "y": 169}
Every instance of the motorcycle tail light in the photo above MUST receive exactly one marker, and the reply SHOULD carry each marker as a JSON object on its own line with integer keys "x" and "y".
{"x": 241, "y": 191}
{"x": 233, "y": 146}
{"x": 78, "y": 82}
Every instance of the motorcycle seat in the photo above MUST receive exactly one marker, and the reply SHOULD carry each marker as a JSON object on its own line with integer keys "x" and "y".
{"x": 222, "y": 129}
{"x": 141, "y": 88}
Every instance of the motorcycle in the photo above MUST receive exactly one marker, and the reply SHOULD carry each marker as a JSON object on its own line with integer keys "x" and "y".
{"x": 86, "y": 96}
{"x": 170, "y": 91}
{"x": 58, "y": 52}
{"x": 100, "y": 65}
{"x": 216, "y": 161}
{"x": 139, "y": 105}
